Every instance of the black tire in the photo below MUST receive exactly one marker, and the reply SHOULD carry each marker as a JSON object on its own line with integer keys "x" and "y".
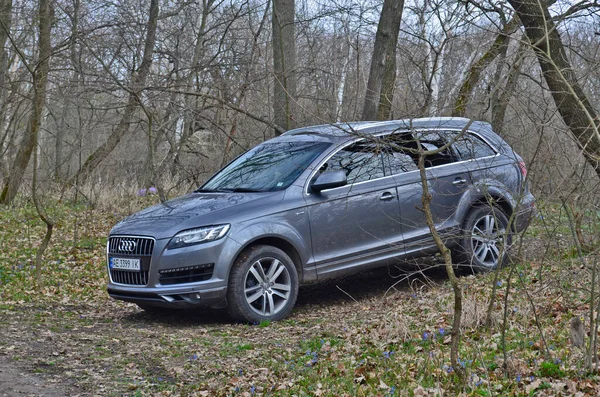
{"x": 263, "y": 285}
{"x": 484, "y": 238}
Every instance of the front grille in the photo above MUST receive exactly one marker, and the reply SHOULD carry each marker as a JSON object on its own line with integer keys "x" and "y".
{"x": 142, "y": 246}
{"x": 131, "y": 247}
{"x": 189, "y": 274}
{"x": 131, "y": 278}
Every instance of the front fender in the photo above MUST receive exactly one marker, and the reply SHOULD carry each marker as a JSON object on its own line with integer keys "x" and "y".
{"x": 249, "y": 234}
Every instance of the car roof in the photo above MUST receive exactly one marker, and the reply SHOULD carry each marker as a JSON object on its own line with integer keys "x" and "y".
{"x": 339, "y": 132}
{"x": 352, "y": 129}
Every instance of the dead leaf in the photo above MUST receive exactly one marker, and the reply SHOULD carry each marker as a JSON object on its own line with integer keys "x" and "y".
{"x": 533, "y": 386}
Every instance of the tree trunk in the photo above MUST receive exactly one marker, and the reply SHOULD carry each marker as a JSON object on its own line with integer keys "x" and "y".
{"x": 189, "y": 122}
{"x": 74, "y": 85}
{"x": 571, "y": 102}
{"x": 40, "y": 80}
{"x": 284, "y": 64}
{"x": 5, "y": 24}
{"x": 138, "y": 81}
{"x": 502, "y": 96}
{"x": 382, "y": 74}
{"x": 498, "y": 46}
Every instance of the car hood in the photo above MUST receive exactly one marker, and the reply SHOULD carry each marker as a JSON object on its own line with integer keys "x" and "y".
{"x": 166, "y": 219}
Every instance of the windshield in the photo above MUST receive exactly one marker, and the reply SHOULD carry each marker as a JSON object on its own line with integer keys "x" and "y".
{"x": 268, "y": 167}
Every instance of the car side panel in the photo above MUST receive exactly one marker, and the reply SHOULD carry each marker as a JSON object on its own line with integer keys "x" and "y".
{"x": 354, "y": 224}
{"x": 446, "y": 184}
{"x": 290, "y": 225}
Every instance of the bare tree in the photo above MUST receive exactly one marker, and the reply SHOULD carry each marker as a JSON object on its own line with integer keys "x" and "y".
{"x": 5, "y": 24}
{"x": 40, "y": 79}
{"x": 284, "y": 63}
{"x": 572, "y": 103}
{"x": 138, "y": 81}
{"x": 498, "y": 47}
{"x": 382, "y": 75}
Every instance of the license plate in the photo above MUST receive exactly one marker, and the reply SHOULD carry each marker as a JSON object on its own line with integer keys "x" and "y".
{"x": 124, "y": 264}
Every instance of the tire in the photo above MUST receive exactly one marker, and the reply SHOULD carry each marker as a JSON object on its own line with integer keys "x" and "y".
{"x": 263, "y": 285}
{"x": 483, "y": 239}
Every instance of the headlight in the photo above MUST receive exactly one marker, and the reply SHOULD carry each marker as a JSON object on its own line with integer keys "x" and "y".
{"x": 197, "y": 236}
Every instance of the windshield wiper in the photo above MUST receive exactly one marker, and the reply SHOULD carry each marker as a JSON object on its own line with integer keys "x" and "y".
{"x": 241, "y": 190}
{"x": 228, "y": 190}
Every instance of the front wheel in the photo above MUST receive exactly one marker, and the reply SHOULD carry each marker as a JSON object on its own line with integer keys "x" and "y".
{"x": 485, "y": 239}
{"x": 263, "y": 285}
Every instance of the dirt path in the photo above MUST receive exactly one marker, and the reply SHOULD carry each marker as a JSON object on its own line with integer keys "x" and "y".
{"x": 17, "y": 382}
{"x": 112, "y": 348}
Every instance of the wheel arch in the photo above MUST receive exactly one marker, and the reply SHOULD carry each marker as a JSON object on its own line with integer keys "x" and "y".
{"x": 486, "y": 195}
{"x": 277, "y": 242}
{"x": 495, "y": 200}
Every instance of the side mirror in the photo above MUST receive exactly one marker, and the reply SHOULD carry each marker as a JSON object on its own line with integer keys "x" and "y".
{"x": 329, "y": 180}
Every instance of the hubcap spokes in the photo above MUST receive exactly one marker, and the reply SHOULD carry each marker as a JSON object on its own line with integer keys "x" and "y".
{"x": 267, "y": 286}
{"x": 487, "y": 240}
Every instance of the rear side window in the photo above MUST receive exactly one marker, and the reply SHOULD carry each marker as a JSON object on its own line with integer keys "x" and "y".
{"x": 469, "y": 146}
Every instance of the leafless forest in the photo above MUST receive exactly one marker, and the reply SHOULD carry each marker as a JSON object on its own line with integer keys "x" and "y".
{"x": 107, "y": 98}
{"x": 105, "y": 101}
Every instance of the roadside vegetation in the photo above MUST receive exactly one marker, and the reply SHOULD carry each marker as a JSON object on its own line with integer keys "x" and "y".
{"x": 382, "y": 333}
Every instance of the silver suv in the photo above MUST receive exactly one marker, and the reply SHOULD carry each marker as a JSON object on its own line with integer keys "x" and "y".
{"x": 319, "y": 202}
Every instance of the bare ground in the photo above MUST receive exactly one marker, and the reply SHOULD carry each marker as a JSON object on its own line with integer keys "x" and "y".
{"x": 110, "y": 348}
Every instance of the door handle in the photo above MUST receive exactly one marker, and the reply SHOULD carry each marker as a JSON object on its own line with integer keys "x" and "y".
{"x": 386, "y": 196}
{"x": 459, "y": 181}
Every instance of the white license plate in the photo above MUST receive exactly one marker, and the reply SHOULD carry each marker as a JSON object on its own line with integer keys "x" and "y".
{"x": 124, "y": 264}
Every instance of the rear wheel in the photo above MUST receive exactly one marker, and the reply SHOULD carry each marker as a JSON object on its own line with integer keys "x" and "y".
{"x": 485, "y": 240}
{"x": 263, "y": 285}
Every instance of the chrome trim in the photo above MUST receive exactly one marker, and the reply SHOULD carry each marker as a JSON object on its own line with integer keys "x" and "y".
{"x": 127, "y": 245}
{"x": 108, "y": 263}
{"x": 314, "y": 172}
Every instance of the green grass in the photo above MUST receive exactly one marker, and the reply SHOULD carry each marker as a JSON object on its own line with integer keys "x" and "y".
{"x": 383, "y": 345}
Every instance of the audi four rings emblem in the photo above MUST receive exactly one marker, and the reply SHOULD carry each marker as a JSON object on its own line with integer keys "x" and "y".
{"x": 127, "y": 245}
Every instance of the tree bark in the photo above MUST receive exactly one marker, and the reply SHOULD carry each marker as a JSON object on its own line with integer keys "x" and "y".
{"x": 284, "y": 64}
{"x": 502, "y": 96}
{"x": 40, "y": 80}
{"x": 138, "y": 81}
{"x": 5, "y": 24}
{"x": 498, "y": 46}
{"x": 75, "y": 86}
{"x": 571, "y": 102}
{"x": 382, "y": 74}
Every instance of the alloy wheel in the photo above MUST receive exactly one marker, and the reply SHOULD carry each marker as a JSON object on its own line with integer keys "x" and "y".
{"x": 487, "y": 239}
{"x": 267, "y": 286}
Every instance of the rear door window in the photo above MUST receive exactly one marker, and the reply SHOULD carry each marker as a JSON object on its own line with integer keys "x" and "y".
{"x": 361, "y": 162}
{"x": 404, "y": 148}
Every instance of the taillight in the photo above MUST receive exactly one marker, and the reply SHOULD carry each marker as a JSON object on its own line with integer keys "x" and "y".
{"x": 523, "y": 169}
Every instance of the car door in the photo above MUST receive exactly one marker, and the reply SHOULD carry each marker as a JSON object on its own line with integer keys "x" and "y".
{"x": 447, "y": 180}
{"x": 358, "y": 223}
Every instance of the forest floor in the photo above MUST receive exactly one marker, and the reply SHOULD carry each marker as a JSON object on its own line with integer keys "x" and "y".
{"x": 380, "y": 333}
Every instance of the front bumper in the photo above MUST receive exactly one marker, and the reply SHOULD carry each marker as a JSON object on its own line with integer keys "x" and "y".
{"x": 179, "y": 299}
{"x": 162, "y": 288}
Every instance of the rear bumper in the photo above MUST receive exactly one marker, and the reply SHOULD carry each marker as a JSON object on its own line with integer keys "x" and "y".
{"x": 526, "y": 212}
